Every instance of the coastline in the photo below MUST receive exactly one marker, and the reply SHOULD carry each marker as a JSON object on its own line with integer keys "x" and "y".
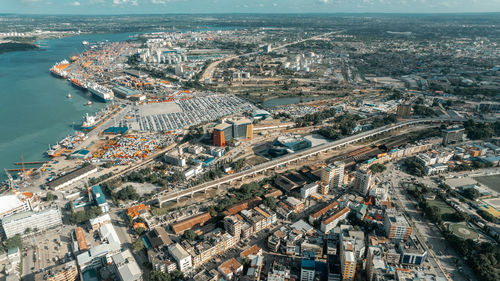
{"x": 7, "y": 47}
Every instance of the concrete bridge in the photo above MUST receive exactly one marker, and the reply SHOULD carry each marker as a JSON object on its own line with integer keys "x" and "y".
{"x": 295, "y": 157}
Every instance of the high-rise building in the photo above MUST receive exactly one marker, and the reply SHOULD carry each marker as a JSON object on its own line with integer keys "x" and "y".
{"x": 452, "y": 135}
{"x": 307, "y": 270}
{"x": 233, "y": 225}
{"x": 347, "y": 261}
{"x": 333, "y": 175}
{"x": 36, "y": 221}
{"x": 396, "y": 227}
{"x": 363, "y": 181}
{"x": 374, "y": 261}
{"x": 241, "y": 128}
{"x": 403, "y": 110}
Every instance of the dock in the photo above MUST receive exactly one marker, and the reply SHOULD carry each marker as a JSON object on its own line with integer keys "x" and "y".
{"x": 31, "y": 163}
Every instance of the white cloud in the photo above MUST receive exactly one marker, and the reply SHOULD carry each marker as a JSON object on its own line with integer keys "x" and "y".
{"x": 275, "y": 5}
{"x": 76, "y": 4}
{"x": 160, "y": 2}
{"x": 325, "y": 1}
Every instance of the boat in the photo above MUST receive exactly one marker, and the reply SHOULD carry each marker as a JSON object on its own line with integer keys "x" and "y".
{"x": 58, "y": 69}
{"x": 91, "y": 122}
{"x": 89, "y": 103}
{"x": 55, "y": 150}
{"x": 69, "y": 96}
{"x": 101, "y": 92}
{"x": 85, "y": 42}
{"x": 78, "y": 84}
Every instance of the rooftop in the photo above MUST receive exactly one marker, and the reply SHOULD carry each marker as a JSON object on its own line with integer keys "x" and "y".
{"x": 336, "y": 215}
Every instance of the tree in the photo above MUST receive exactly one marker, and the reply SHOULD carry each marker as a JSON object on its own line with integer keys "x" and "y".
{"x": 471, "y": 193}
{"x": 211, "y": 210}
{"x": 138, "y": 245}
{"x": 13, "y": 242}
{"x": 270, "y": 202}
{"x": 377, "y": 168}
{"x": 189, "y": 235}
{"x": 139, "y": 230}
{"x": 49, "y": 196}
{"x": 176, "y": 275}
{"x": 159, "y": 276}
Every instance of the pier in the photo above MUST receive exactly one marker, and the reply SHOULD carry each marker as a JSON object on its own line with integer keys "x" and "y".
{"x": 31, "y": 163}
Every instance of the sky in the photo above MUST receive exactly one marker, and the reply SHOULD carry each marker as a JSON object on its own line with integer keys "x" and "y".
{"x": 245, "y": 6}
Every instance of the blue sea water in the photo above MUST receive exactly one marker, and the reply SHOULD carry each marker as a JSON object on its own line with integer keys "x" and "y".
{"x": 34, "y": 110}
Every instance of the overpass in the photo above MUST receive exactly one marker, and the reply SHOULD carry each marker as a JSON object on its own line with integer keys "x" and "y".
{"x": 293, "y": 158}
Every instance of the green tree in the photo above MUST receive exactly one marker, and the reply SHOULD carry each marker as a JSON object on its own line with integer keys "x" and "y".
{"x": 13, "y": 242}
{"x": 189, "y": 235}
{"x": 471, "y": 193}
{"x": 270, "y": 202}
{"x": 138, "y": 245}
{"x": 159, "y": 276}
{"x": 139, "y": 230}
{"x": 377, "y": 168}
{"x": 49, "y": 196}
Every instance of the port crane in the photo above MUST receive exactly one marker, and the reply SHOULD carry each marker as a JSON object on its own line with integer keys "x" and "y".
{"x": 9, "y": 177}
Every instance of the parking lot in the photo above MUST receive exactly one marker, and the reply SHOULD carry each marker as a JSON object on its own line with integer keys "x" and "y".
{"x": 46, "y": 249}
{"x": 167, "y": 117}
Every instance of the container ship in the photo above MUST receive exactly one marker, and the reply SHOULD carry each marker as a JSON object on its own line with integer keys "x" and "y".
{"x": 78, "y": 84}
{"x": 91, "y": 122}
{"x": 101, "y": 92}
{"x": 58, "y": 69}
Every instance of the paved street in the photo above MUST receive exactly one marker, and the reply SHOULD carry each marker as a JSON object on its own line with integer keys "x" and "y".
{"x": 444, "y": 254}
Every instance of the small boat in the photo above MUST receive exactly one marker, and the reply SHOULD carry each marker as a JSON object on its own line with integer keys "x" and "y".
{"x": 85, "y": 42}
{"x": 89, "y": 103}
{"x": 69, "y": 96}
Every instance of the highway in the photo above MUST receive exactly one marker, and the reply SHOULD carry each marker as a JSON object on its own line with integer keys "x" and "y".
{"x": 164, "y": 197}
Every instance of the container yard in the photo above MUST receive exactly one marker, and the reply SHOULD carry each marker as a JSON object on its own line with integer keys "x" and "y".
{"x": 132, "y": 148}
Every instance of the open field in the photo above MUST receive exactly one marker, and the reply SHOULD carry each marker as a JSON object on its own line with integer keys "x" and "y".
{"x": 463, "y": 231}
{"x": 446, "y": 211}
{"x": 490, "y": 181}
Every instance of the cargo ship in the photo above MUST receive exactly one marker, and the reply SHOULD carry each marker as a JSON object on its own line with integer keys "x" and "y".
{"x": 101, "y": 92}
{"x": 91, "y": 122}
{"x": 78, "y": 84}
{"x": 58, "y": 69}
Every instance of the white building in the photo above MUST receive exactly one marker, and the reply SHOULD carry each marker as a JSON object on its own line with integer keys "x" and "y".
{"x": 19, "y": 223}
{"x": 332, "y": 221}
{"x": 14, "y": 203}
{"x": 126, "y": 267}
{"x": 97, "y": 256}
{"x": 183, "y": 259}
{"x": 308, "y": 189}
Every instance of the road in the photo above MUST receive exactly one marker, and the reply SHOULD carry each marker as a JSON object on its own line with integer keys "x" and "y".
{"x": 209, "y": 71}
{"x": 441, "y": 256}
{"x": 168, "y": 196}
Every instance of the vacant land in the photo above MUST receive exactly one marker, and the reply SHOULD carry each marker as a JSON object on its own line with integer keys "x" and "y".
{"x": 447, "y": 213}
{"x": 490, "y": 181}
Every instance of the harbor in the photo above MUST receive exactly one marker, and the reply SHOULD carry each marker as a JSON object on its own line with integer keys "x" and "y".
{"x": 50, "y": 114}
